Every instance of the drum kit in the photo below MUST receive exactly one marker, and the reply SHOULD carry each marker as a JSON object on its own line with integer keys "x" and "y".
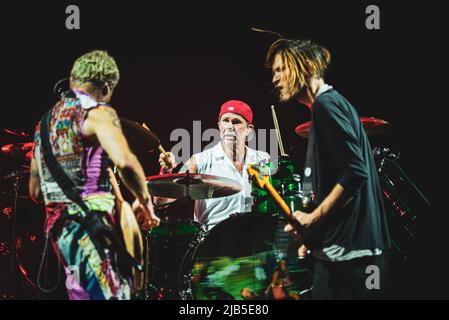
{"x": 183, "y": 260}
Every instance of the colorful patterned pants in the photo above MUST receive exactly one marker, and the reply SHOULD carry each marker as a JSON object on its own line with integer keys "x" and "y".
{"x": 89, "y": 277}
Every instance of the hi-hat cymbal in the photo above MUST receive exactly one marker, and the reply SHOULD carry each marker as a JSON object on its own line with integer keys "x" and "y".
{"x": 195, "y": 186}
{"x": 140, "y": 139}
{"x": 372, "y": 126}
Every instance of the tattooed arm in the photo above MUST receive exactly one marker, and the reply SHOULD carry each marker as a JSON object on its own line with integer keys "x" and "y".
{"x": 34, "y": 187}
{"x": 104, "y": 123}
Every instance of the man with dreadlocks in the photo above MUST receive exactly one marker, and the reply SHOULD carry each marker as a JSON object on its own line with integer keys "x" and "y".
{"x": 349, "y": 225}
{"x": 85, "y": 137}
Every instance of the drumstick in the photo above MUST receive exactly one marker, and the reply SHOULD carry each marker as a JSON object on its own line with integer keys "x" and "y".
{"x": 278, "y": 131}
{"x": 161, "y": 148}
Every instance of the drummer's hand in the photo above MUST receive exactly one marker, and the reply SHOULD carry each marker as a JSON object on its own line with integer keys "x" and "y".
{"x": 167, "y": 162}
{"x": 145, "y": 215}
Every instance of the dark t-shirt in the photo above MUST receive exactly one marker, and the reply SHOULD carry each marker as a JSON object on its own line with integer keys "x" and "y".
{"x": 342, "y": 154}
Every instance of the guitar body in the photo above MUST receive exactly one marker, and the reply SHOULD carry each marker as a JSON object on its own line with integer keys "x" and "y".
{"x": 130, "y": 231}
{"x": 133, "y": 241}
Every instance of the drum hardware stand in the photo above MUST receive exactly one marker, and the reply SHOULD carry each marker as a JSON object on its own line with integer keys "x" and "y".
{"x": 393, "y": 181}
{"x": 11, "y": 282}
{"x": 146, "y": 293}
{"x": 386, "y": 154}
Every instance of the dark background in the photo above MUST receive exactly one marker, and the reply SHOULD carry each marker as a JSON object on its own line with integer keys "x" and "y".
{"x": 180, "y": 62}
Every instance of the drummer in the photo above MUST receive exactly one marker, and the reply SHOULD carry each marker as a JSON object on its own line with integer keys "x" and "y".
{"x": 229, "y": 158}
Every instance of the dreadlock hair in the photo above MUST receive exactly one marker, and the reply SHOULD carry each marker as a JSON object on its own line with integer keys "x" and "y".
{"x": 303, "y": 58}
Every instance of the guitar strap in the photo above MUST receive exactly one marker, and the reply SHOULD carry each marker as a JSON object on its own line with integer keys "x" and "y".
{"x": 59, "y": 175}
{"x": 307, "y": 184}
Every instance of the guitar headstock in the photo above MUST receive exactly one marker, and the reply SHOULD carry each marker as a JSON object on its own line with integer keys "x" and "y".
{"x": 254, "y": 173}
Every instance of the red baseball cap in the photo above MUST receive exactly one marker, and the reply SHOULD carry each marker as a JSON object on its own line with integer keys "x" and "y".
{"x": 237, "y": 107}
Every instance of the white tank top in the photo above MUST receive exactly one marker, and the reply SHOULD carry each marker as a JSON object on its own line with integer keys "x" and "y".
{"x": 214, "y": 161}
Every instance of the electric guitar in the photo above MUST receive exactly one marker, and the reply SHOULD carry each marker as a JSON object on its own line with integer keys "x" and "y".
{"x": 130, "y": 231}
{"x": 264, "y": 183}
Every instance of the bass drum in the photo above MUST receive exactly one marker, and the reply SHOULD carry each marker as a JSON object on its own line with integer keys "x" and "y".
{"x": 239, "y": 256}
{"x": 167, "y": 247}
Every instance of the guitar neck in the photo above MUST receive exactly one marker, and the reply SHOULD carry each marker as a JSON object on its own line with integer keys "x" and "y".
{"x": 115, "y": 186}
{"x": 282, "y": 204}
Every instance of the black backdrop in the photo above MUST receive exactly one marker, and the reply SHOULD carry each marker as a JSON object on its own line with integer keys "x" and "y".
{"x": 179, "y": 62}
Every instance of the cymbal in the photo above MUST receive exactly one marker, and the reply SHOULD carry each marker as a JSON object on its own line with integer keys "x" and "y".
{"x": 139, "y": 138}
{"x": 23, "y": 151}
{"x": 16, "y": 133}
{"x": 372, "y": 126}
{"x": 195, "y": 186}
